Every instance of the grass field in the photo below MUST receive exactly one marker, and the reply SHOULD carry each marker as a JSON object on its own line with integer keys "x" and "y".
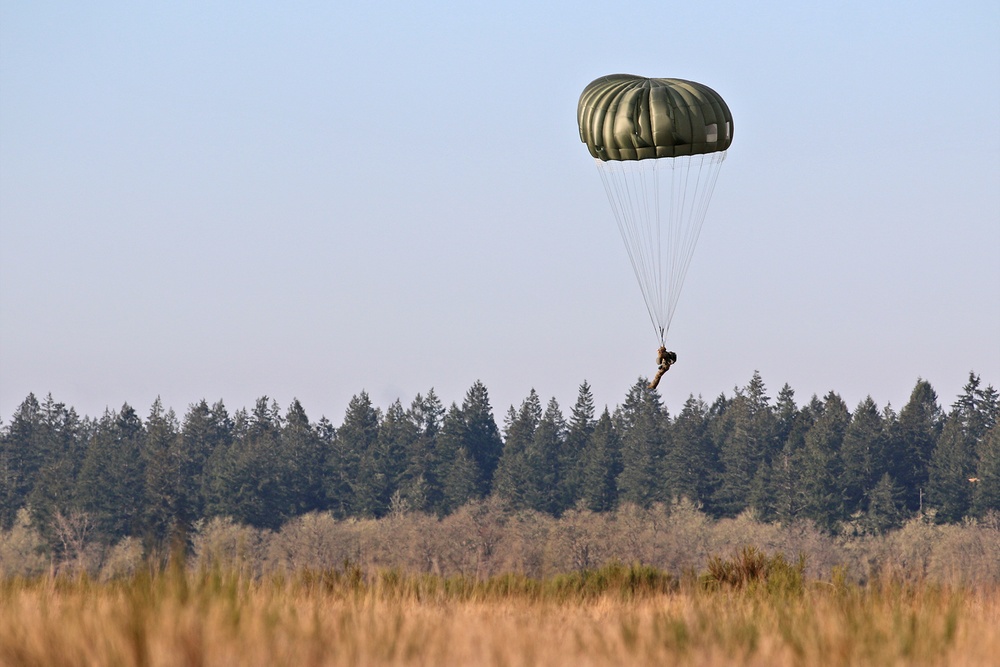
{"x": 749, "y": 610}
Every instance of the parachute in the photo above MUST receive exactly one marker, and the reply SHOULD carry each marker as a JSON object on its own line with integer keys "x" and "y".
{"x": 659, "y": 145}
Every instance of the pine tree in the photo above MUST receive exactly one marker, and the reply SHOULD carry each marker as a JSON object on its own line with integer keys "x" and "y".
{"x": 355, "y": 437}
{"x": 951, "y": 471}
{"x": 988, "y": 404}
{"x": 163, "y": 471}
{"x": 111, "y": 486}
{"x": 641, "y": 422}
{"x": 304, "y": 454}
{"x": 383, "y": 465}
{"x": 784, "y": 497}
{"x": 786, "y": 415}
{"x": 986, "y": 488}
{"x": 601, "y": 466}
{"x": 203, "y": 430}
{"x": 917, "y": 431}
{"x": 822, "y": 463}
{"x": 20, "y": 458}
{"x": 976, "y": 409}
{"x": 543, "y": 482}
{"x": 41, "y": 452}
{"x": 457, "y": 472}
{"x": 519, "y": 432}
{"x": 482, "y": 437}
{"x": 885, "y": 507}
{"x": 420, "y": 485}
{"x": 251, "y": 476}
{"x": 747, "y": 444}
{"x": 863, "y": 454}
{"x": 689, "y": 462}
{"x": 460, "y": 483}
{"x": 578, "y": 434}
{"x": 326, "y": 433}
{"x": 209, "y": 432}
{"x": 62, "y": 450}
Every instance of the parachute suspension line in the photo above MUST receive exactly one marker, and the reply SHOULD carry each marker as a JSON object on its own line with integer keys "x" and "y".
{"x": 692, "y": 184}
{"x": 627, "y": 192}
{"x": 659, "y": 207}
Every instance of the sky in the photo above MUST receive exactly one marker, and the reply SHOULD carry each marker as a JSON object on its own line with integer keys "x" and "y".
{"x": 224, "y": 201}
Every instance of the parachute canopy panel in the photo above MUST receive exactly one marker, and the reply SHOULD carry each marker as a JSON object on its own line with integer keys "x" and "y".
{"x": 626, "y": 117}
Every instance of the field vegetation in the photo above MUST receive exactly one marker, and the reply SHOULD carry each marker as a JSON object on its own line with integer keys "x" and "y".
{"x": 489, "y": 585}
{"x": 745, "y": 609}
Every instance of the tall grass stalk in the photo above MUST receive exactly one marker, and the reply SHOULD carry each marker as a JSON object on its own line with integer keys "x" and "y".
{"x": 617, "y": 614}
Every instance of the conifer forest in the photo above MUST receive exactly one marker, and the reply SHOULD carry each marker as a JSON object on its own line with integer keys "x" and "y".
{"x": 158, "y": 480}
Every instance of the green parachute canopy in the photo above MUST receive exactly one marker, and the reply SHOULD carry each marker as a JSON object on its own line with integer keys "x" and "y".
{"x": 625, "y": 117}
{"x": 658, "y": 145}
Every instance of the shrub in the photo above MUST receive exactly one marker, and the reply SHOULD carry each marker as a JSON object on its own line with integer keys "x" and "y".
{"x": 752, "y": 569}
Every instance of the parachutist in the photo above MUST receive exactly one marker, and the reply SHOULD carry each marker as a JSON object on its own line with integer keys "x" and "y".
{"x": 664, "y": 360}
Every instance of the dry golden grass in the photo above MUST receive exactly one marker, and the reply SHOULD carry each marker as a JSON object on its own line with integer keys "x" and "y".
{"x": 617, "y": 616}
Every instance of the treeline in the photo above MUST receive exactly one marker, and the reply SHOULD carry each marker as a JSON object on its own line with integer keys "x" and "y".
{"x": 155, "y": 480}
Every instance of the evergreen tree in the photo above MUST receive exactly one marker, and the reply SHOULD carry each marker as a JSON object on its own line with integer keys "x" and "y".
{"x": 155, "y": 479}
{"x": 473, "y": 429}
{"x": 748, "y": 443}
{"x": 822, "y": 465}
{"x": 457, "y": 471}
{"x": 252, "y": 480}
{"x": 578, "y": 434}
{"x": 988, "y": 405}
{"x": 763, "y": 418}
{"x": 986, "y": 488}
{"x": 461, "y": 482}
{"x": 976, "y": 410}
{"x": 689, "y": 462}
{"x": 111, "y": 486}
{"x": 601, "y": 466}
{"x": 776, "y": 491}
{"x": 203, "y": 430}
{"x": 915, "y": 435}
{"x": 326, "y": 433}
{"x": 481, "y": 438}
{"x": 863, "y": 454}
{"x": 383, "y": 465}
{"x": 304, "y": 454}
{"x": 162, "y": 465}
{"x": 41, "y": 451}
{"x": 63, "y": 447}
{"x": 519, "y": 432}
{"x": 420, "y": 485}
{"x": 21, "y": 449}
{"x": 885, "y": 507}
{"x": 718, "y": 431}
{"x": 641, "y": 422}
{"x": 355, "y": 437}
{"x": 787, "y": 417}
{"x": 543, "y": 482}
{"x": 952, "y": 467}
{"x": 209, "y": 433}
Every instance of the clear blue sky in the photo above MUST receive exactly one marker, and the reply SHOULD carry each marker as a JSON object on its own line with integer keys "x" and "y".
{"x": 229, "y": 200}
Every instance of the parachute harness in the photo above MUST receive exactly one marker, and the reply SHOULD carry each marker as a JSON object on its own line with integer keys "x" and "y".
{"x": 660, "y": 206}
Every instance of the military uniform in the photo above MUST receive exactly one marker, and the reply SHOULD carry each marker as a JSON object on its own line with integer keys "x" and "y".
{"x": 664, "y": 360}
